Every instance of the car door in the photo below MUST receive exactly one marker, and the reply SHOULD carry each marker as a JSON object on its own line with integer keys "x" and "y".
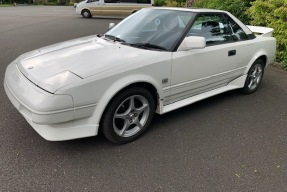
{"x": 200, "y": 70}
{"x": 95, "y": 7}
{"x": 113, "y": 8}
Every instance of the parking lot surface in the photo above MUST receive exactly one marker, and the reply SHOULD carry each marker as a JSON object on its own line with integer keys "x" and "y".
{"x": 230, "y": 142}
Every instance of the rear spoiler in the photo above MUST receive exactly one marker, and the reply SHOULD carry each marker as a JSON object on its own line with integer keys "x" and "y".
{"x": 263, "y": 31}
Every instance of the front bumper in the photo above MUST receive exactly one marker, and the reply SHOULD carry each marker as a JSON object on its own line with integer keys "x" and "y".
{"x": 78, "y": 10}
{"x": 34, "y": 103}
{"x": 52, "y": 116}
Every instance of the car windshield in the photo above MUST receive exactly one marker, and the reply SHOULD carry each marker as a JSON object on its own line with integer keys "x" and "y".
{"x": 151, "y": 28}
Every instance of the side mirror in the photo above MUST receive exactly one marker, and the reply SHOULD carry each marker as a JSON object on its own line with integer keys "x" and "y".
{"x": 111, "y": 25}
{"x": 192, "y": 42}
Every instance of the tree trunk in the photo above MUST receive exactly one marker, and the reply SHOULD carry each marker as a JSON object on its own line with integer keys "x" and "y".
{"x": 188, "y": 3}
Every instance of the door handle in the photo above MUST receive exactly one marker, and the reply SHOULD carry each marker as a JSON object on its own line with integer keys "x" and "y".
{"x": 232, "y": 52}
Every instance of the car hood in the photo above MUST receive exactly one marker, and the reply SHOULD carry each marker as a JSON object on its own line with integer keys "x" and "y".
{"x": 82, "y": 58}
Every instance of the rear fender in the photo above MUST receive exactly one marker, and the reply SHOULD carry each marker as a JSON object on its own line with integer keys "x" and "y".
{"x": 258, "y": 54}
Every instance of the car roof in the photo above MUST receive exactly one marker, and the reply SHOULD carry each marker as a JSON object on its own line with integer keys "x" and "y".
{"x": 197, "y": 10}
{"x": 203, "y": 10}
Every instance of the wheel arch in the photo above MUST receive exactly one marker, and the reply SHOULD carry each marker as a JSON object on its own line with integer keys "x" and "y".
{"x": 264, "y": 58}
{"x": 143, "y": 81}
{"x": 261, "y": 54}
{"x": 147, "y": 85}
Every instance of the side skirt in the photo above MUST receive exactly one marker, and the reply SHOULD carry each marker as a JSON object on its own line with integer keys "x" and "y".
{"x": 235, "y": 84}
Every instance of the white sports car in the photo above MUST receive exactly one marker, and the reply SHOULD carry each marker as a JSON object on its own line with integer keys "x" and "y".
{"x": 156, "y": 60}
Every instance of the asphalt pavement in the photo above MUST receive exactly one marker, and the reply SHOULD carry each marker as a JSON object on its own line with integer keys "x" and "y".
{"x": 230, "y": 142}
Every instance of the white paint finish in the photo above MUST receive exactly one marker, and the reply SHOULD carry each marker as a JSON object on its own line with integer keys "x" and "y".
{"x": 93, "y": 70}
{"x": 64, "y": 131}
{"x": 52, "y": 84}
{"x": 35, "y": 99}
{"x": 43, "y": 63}
{"x": 261, "y": 46}
{"x": 202, "y": 85}
{"x": 40, "y": 117}
{"x": 103, "y": 87}
{"x": 66, "y": 44}
{"x": 235, "y": 84}
{"x": 57, "y": 59}
{"x": 202, "y": 67}
{"x": 264, "y": 31}
{"x": 77, "y": 58}
{"x": 192, "y": 42}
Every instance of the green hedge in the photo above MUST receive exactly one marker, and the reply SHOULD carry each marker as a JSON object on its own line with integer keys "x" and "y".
{"x": 170, "y": 3}
{"x": 6, "y": 5}
{"x": 272, "y": 13}
{"x": 159, "y": 3}
{"x": 237, "y": 7}
{"x": 52, "y": 3}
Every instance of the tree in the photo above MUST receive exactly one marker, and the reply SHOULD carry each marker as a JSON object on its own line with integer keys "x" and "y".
{"x": 272, "y": 13}
{"x": 236, "y": 7}
{"x": 189, "y": 3}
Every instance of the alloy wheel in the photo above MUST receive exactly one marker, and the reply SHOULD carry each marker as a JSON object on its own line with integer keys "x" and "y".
{"x": 255, "y": 76}
{"x": 131, "y": 116}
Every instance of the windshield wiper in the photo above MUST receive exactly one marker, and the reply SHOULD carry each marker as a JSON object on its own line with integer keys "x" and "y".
{"x": 139, "y": 45}
{"x": 114, "y": 38}
{"x": 147, "y": 46}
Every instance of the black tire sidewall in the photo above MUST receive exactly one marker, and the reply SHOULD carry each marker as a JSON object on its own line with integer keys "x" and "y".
{"x": 107, "y": 123}
{"x": 246, "y": 88}
{"x": 85, "y": 10}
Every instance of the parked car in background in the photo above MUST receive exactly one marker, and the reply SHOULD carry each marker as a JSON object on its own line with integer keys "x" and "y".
{"x": 117, "y": 8}
{"x": 154, "y": 61}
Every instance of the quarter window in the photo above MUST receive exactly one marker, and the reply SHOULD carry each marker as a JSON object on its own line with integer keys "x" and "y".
{"x": 238, "y": 33}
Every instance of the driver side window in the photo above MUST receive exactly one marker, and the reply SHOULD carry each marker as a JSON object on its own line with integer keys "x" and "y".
{"x": 213, "y": 27}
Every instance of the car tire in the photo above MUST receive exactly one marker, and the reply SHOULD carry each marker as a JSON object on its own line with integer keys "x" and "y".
{"x": 254, "y": 77}
{"x": 86, "y": 13}
{"x": 128, "y": 115}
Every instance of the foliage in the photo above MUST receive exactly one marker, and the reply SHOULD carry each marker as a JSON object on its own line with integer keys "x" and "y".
{"x": 6, "y": 5}
{"x": 272, "y": 13}
{"x": 45, "y": 3}
{"x": 53, "y": 2}
{"x": 180, "y": 3}
{"x": 50, "y": 3}
{"x": 236, "y": 7}
{"x": 171, "y": 3}
{"x": 159, "y": 3}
